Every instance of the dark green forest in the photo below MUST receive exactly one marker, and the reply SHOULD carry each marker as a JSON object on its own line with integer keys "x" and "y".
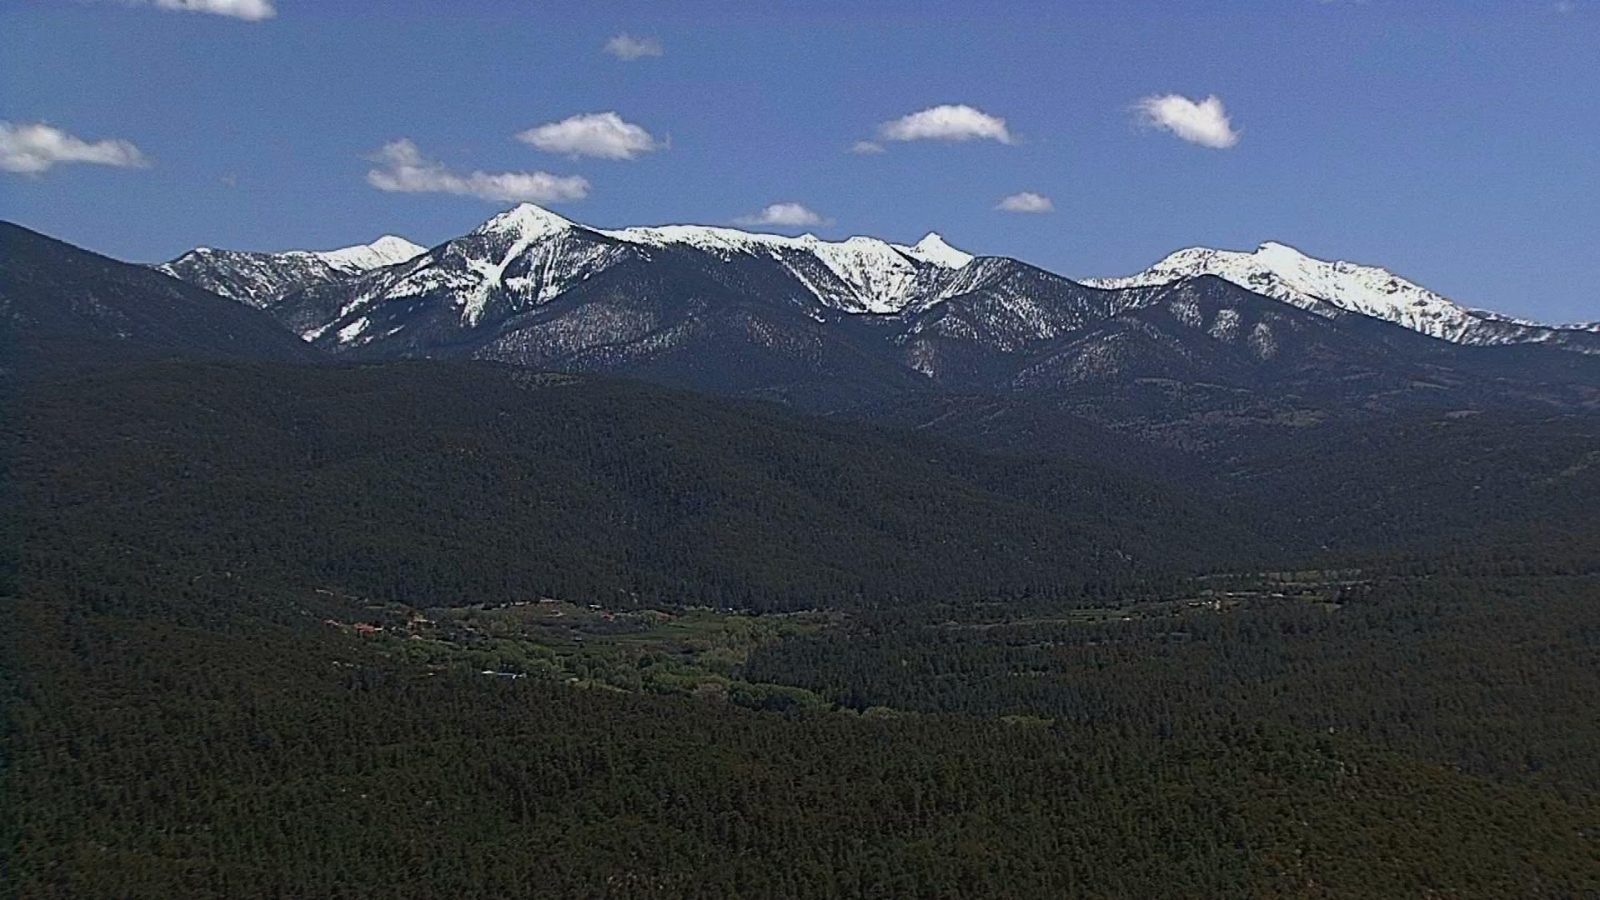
{"x": 418, "y": 630}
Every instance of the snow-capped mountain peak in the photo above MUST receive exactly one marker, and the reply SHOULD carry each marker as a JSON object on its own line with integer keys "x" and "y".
{"x": 934, "y": 249}
{"x": 525, "y": 221}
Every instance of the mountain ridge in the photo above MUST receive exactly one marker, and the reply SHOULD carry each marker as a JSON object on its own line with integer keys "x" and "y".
{"x": 790, "y": 319}
{"x": 257, "y": 278}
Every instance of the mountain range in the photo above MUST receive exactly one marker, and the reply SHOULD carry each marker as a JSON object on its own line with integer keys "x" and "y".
{"x": 858, "y": 324}
{"x": 859, "y": 275}
{"x": 831, "y": 323}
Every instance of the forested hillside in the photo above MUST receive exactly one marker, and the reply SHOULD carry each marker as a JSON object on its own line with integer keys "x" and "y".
{"x": 148, "y": 759}
{"x": 464, "y": 484}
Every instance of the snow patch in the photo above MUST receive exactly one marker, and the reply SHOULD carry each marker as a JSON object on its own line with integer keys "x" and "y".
{"x": 353, "y": 330}
{"x": 1225, "y": 327}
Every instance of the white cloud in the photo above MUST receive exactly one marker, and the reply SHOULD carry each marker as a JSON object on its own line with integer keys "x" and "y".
{"x": 866, "y": 147}
{"x": 34, "y": 148}
{"x": 1026, "y": 202}
{"x": 627, "y": 47}
{"x": 402, "y": 167}
{"x": 604, "y": 135}
{"x": 249, "y": 10}
{"x": 946, "y": 123}
{"x": 1204, "y": 123}
{"x": 787, "y": 214}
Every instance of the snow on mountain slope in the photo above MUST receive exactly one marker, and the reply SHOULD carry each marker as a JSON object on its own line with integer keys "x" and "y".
{"x": 528, "y": 256}
{"x": 260, "y": 279}
{"x": 875, "y": 276}
{"x": 1336, "y": 288}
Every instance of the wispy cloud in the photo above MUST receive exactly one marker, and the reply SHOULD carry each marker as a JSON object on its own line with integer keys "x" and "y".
{"x": 629, "y": 48}
{"x": 34, "y": 148}
{"x": 866, "y": 147}
{"x": 784, "y": 214}
{"x": 950, "y": 122}
{"x": 249, "y": 10}
{"x": 1026, "y": 202}
{"x": 1203, "y": 122}
{"x": 402, "y": 167}
{"x": 605, "y": 135}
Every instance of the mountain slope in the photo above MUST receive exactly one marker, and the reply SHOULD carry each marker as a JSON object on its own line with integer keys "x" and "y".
{"x": 1337, "y": 288}
{"x": 995, "y": 312}
{"x": 60, "y": 305}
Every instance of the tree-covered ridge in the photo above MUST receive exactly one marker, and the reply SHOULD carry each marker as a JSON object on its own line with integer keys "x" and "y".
{"x": 443, "y": 485}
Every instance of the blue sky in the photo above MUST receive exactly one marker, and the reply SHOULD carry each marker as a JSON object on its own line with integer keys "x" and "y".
{"x": 1456, "y": 143}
